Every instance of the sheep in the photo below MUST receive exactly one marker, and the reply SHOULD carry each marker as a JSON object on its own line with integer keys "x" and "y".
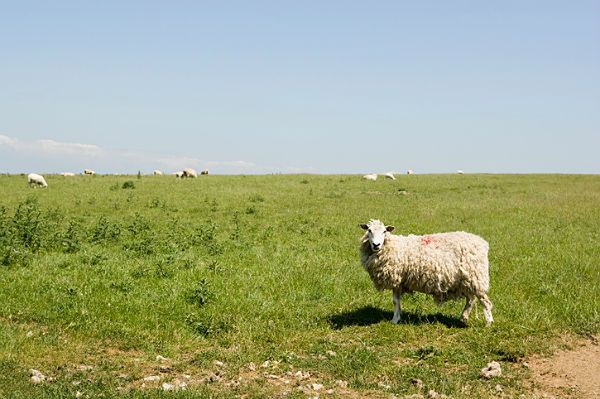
{"x": 444, "y": 265}
{"x": 189, "y": 172}
{"x": 389, "y": 175}
{"x": 204, "y": 172}
{"x": 179, "y": 175}
{"x": 158, "y": 173}
{"x": 33, "y": 179}
{"x": 372, "y": 177}
{"x": 410, "y": 172}
{"x": 88, "y": 172}
{"x": 68, "y": 174}
{"x": 460, "y": 172}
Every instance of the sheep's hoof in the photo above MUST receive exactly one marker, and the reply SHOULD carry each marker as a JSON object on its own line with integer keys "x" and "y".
{"x": 395, "y": 320}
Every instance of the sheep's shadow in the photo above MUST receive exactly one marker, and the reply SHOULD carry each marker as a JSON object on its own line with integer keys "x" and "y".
{"x": 368, "y": 315}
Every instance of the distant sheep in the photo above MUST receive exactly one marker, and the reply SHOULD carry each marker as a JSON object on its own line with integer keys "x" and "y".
{"x": 68, "y": 174}
{"x": 444, "y": 265}
{"x": 158, "y": 173}
{"x": 204, "y": 172}
{"x": 389, "y": 175}
{"x": 372, "y": 177}
{"x": 460, "y": 172}
{"x": 410, "y": 172}
{"x": 88, "y": 172}
{"x": 33, "y": 179}
{"x": 178, "y": 175}
{"x": 189, "y": 172}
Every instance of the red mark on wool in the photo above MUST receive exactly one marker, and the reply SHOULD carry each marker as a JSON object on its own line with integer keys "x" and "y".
{"x": 425, "y": 240}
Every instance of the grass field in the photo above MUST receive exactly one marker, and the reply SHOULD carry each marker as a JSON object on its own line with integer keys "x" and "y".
{"x": 97, "y": 279}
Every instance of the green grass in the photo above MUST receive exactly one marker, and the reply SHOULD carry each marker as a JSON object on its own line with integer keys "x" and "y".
{"x": 245, "y": 269}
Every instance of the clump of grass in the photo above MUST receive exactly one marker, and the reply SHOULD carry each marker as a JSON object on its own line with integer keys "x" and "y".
{"x": 129, "y": 184}
{"x": 201, "y": 294}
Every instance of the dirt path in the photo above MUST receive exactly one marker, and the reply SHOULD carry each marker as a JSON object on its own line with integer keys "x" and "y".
{"x": 571, "y": 373}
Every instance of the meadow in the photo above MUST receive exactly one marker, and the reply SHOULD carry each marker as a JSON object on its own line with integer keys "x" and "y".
{"x": 251, "y": 286}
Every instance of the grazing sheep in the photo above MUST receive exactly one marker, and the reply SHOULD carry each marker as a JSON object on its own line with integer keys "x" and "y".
{"x": 204, "y": 172}
{"x": 390, "y": 175}
{"x": 68, "y": 174}
{"x": 158, "y": 173}
{"x": 444, "y": 265}
{"x": 460, "y": 172}
{"x": 372, "y": 177}
{"x": 189, "y": 172}
{"x": 179, "y": 175}
{"x": 33, "y": 179}
{"x": 410, "y": 172}
{"x": 88, "y": 172}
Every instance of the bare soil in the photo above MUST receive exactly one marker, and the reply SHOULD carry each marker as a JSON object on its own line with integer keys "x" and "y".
{"x": 573, "y": 373}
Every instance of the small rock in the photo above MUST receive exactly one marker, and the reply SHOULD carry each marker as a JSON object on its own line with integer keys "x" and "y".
{"x": 265, "y": 364}
{"x": 36, "y": 376}
{"x": 341, "y": 383}
{"x": 181, "y": 384}
{"x": 492, "y": 369}
{"x": 331, "y": 353}
{"x": 37, "y": 379}
{"x": 498, "y": 388}
{"x": 164, "y": 369}
{"x": 151, "y": 378}
{"x": 167, "y": 387}
{"x": 525, "y": 364}
{"x": 272, "y": 376}
{"x": 251, "y": 366}
{"x": 383, "y": 385}
{"x": 317, "y": 387}
{"x": 78, "y": 394}
{"x": 329, "y": 391}
{"x": 29, "y": 334}
{"x": 160, "y": 358}
{"x": 218, "y": 363}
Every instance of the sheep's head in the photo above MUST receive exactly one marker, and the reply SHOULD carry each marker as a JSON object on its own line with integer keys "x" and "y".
{"x": 376, "y": 233}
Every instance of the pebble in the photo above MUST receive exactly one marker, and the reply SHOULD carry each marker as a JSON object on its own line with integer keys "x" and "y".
{"x": 152, "y": 378}
{"x": 317, "y": 387}
{"x": 167, "y": 387}
{"x": 218, "y": 363}
{"x": 78, "y": 394}
{"x": 36, "y": 376}
{"x": 160, "y": 358}
{"x": 251, "y": 366}
{"x": 341, "y": 383}
{"x": 29, "y": 334}
{"x": 492, "y": 369}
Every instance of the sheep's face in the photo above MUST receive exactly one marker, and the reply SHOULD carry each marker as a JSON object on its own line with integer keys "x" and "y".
{"x": 376, "y": 233}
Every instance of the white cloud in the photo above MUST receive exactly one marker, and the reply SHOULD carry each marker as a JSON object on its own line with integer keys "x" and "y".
{"x": 56, "y": 147}
{"x": 58, "y": 155}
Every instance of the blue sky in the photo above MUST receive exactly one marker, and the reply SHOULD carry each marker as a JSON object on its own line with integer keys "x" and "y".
{"x": 311, "y": 86}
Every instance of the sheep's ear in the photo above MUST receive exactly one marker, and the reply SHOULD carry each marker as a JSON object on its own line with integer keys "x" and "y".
{"x": 389, "y": 228}
{"x": 363, "y": 226}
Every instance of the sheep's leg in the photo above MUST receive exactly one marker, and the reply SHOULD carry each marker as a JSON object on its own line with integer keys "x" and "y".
{"x": 396, "y": 298}
{"x": 487, "y": 308}
{"x": 467, "y": 309}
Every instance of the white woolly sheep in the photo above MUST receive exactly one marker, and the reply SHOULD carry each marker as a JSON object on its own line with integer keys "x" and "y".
{"x": 88, "y": 172}
{"x": 372, "y": 177}
{"x": 157, "y": 173}
{"x": 33, "y": 179}
{"x": 444, "y": 265}
{"x": 204, "y": 172}
{"x": 410, "y": 172}
{"x": 178, "y": 175}
{"x": 460, "y": 172}
{"x": 390, "y": 175}
{"x": 68, "y": 174}
{"x": 189, "y": 172}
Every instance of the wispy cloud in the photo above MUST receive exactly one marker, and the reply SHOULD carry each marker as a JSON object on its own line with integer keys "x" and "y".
{"x": 92, "y": 155}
